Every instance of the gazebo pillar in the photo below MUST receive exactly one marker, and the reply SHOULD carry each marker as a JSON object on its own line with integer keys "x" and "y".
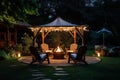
{"x": 34, "y": 40}
{"x": 43, "y": 36}
{"x": 35, "y": 31}
{"x": 74, "y": 36}
{"x": 83, "y": 40}
{"x": 81, "y": 34}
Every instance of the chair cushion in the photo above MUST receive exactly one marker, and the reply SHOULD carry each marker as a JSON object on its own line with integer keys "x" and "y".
{"x": 49, "y": 51}
{"x": 70, "y": 51}
{"x": 43, "y": 56}
{"x": 73, "y": 55}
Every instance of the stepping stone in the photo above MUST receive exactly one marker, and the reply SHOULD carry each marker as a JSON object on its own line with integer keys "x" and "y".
{"x": 37, "y": 72}
{"x": 60, "y": 71}
{"x": 59, "y": 79}
{"x": 60, "y": 74}
{"x": 45, "y": 79}
{"x": 58, "y": 68}
{"x": 13, "y": 65}
{"x": 34, "y": 70}
{"x": 38, "y": 78}
{"x": 38, "y": 75}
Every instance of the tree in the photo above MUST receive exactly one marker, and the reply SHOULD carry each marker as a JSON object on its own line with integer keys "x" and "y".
{"x": 12, "y": 11}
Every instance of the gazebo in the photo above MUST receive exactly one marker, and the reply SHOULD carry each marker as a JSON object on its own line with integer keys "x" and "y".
{"x": 59, "y": 25}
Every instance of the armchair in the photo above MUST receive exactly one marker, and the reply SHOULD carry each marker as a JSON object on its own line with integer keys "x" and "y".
{"x": 79, "y": 56}
{"x": 73, "y": 48}
{"x": 45, "y": 48}
{"x": 36, "y": 57}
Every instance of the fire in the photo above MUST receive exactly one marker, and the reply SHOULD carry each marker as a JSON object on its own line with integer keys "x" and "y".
{"x": 58, "y": 49}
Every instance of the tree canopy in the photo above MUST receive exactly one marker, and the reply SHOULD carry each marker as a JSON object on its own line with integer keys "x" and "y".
{"x": 12, "y": 11}
{"x": 95, "y": 13}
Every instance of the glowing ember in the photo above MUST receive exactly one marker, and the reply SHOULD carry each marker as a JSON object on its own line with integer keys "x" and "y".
{"x": 58, "y": 49}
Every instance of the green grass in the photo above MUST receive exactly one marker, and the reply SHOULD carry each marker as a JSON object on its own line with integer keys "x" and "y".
{"x": 107, "y": 69}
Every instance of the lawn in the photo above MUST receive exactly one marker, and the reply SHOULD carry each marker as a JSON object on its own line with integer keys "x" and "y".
{"x": 107, "y": 69}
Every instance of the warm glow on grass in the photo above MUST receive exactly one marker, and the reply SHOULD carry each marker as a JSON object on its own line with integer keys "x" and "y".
{"x": 98, "y": 54}
{"x": 19, "y": 54}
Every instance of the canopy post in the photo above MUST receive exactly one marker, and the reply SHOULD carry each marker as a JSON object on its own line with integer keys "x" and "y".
{"x": 43, "y": 36}
{"x": 81, "y": 34}
{"x": 36, "y": 32}
{"x": 74, "y": 36}
{"x": 71, "y": 34}
{"x": 83, "y": 40}
{"x": 34, "y": 39}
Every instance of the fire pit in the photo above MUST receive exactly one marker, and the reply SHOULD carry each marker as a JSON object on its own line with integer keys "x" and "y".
{"x": 58, "y": 53}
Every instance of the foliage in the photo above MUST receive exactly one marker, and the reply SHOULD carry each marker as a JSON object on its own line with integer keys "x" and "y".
{"x": 62, "y": 39}
{"x": 14, "y": 53}
{"x": 4, "y": 54}
{"x": 18, "y": 47}
{"x": 17, "y": 10}
{"x": 27, "y": 41}
{"x": 76, "y": 11}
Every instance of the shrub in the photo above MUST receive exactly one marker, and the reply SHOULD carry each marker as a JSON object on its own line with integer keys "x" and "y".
{"x": 14, "y": 53}
{"x": 27, "y": 41}
{"x": 18, "y": 47}
{"x": 4, "y": 54}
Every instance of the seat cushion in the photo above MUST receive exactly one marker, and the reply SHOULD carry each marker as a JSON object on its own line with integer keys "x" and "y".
{"x": 70, "y": 51}
{"x": 73, "y": 55}
{"x": 43, "y": 56}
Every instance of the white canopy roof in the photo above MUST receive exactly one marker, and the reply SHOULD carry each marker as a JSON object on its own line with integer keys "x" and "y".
{"x": 59, "y": 22}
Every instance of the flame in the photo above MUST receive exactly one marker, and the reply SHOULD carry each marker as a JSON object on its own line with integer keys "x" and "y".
{"x": 58, "y": 49}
